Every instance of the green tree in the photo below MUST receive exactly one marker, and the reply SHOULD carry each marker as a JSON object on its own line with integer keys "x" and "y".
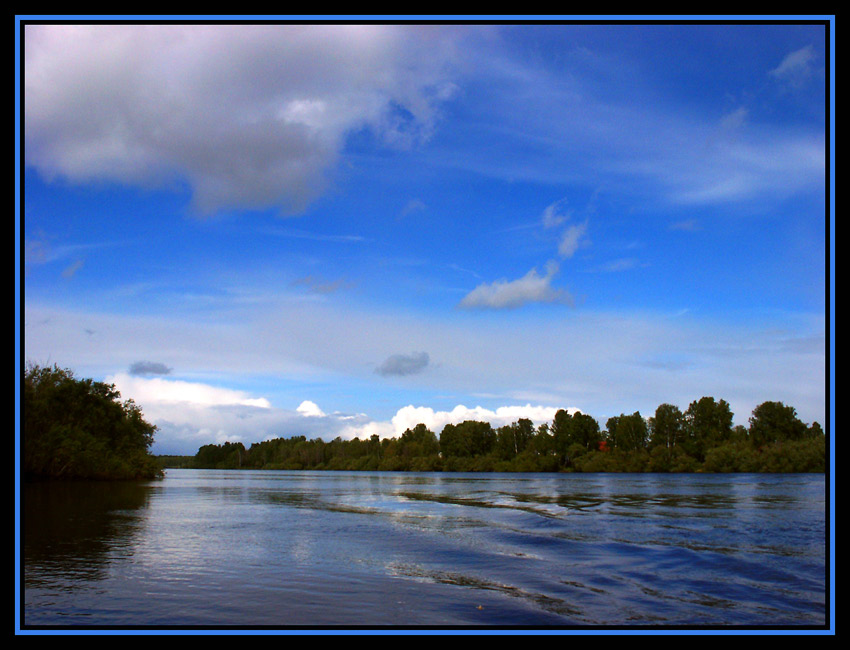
{"x": 576, "y": 429}
{"x": 419, "y": 441}
{"x": 632, "y": 432}
{"x": 511, "y": 440}
{"x": 667, "y": 427}
{"x": 585, "y": 431}
{"x": 467, "y": 439}
{"x": 775, "y": 422}
{"x": 542, "y": 443}
{"x": 627, "y": 432}
{"x": 709, "y": 425}
{"x": 79, "y": 428}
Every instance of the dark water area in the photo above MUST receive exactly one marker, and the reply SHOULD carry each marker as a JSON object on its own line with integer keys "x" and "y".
{"x": 317, "y": 549}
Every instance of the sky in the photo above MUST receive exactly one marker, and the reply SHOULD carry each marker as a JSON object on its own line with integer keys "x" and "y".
{"x": 261, "y": 231}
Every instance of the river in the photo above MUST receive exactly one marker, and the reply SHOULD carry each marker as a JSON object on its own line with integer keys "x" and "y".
{"x": 322, "y": 549}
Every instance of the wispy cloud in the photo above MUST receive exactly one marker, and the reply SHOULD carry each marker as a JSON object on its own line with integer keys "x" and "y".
{"x": 571, "y": 239}
{"x": 686, "y": 225}
{"x": 622, "y": 264}
{"x": 531, "y": 288}
{"x": 734, "y": 120}
{"x": 796, "y": 68}
{"x": 645, "y": 145}
{"x": 301, "y": 234}
{"x": 554, "y": 215}
{"x": 317, "y": 285}
{"x": 71, "y": 270}
{"x": 412, "y": 206}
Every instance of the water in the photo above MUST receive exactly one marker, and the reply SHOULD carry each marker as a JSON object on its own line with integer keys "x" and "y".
{"x": 257, "y": 548}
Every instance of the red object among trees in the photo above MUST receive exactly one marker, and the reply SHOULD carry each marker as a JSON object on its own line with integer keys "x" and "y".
{"x": 603, "y": 445}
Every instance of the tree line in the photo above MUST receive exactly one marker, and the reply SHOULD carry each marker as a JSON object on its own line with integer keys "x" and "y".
{"x": 80, "y": 429}
{"x": 700, "y": 439}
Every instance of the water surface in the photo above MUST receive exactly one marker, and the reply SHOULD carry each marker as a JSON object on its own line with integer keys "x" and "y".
{"x": 236, "y": 548}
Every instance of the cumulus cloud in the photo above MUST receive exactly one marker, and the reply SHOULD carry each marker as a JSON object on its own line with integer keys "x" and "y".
{"x": 409, "y": 416}
{"x": 250, "y": 116}
{"x": 530, "y": 288}
{"x": 191, "y": 414}
{"x": 149, "y": 368}
{"x": 157, "y": 391}
{"x": 310, "y": 410}
{"x": 404, "y": 364}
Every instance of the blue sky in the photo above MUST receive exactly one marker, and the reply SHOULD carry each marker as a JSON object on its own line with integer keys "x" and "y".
{"x": 263, "y": 231}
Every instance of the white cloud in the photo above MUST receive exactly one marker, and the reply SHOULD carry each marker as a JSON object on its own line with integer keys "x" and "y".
{"x": 191, "y": 414}
{"x": 796, "y": 67}
{"x": 622, "y": 264}
{"x": 635, "y": 142}
{"x": 71, "y": 270}
{"x": 552, "y": 216}
{"x": 155, "y": 390}
{"x": 250, "y": 115}
{"x": 310, "y": 410}
{"x": 734, "y": 120}
{"x": 412, "y": 206}
{"x": 592, "y": 359}
{"x": 530, "y": 288}
{"x": 409, "y": 416}
{"x": 687, "y": 225}
{"x": 571, "y": 239}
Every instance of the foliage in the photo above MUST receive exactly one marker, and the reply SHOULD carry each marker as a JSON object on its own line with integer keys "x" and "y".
{"x": 775, "y": 422}
{"x": 701, "y": 439}
{"x": 178, "y": 462}
{"x": 708, "y": 425}
{"x": 627, "y": 432}
{"x": 79, "y": 429}
{"x": 667, "y": 427}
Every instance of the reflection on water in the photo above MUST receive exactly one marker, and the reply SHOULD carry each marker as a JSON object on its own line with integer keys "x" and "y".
{"x": 238, "y": 548}
{"x": 70, "y": 529}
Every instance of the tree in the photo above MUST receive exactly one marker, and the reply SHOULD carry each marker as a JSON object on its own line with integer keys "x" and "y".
{"x": 775, "y": 422}
{"x": 631, "y": 432}
{"x": 511, "y": 440}
{"x": 79, "y": 428}
{"x": 585, "y": 431}
{"x": 667, "y": 427}
{"x": 576, "y": 429}
{"x": 467, "y": 439}
{"x": 709, "y": 424}
{"x": 543, "y": 443}
{"x": 627, "y": 432}
{"x": 611, "y": 432}
{"x": 419, "y": 441}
